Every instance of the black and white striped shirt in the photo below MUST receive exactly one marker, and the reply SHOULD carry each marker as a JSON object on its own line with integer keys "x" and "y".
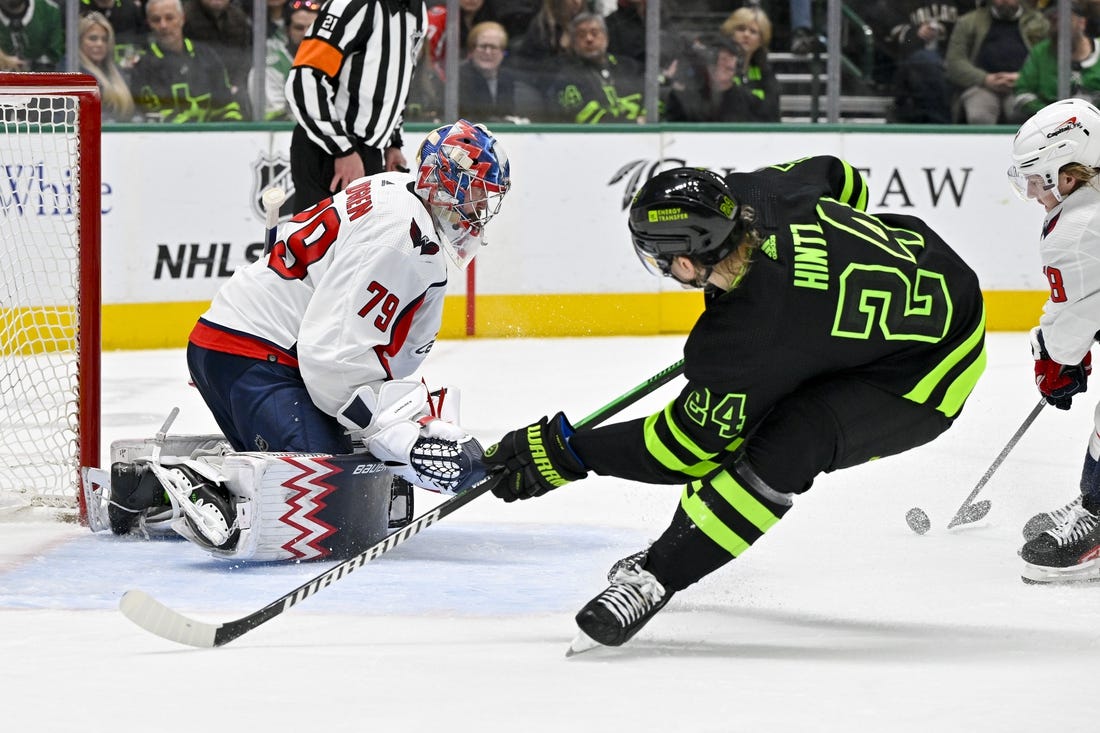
{"x": 352, "y": 72}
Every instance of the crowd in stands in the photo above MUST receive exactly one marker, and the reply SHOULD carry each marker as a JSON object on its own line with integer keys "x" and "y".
{"x": 575, "y": 61}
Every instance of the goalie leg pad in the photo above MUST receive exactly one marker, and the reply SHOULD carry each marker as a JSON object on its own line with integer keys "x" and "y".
{"x": 298, "y": 506}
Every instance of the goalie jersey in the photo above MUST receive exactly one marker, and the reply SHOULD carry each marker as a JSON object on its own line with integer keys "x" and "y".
{"x": 350, "y": 294}
{"x": 830, "y": 290}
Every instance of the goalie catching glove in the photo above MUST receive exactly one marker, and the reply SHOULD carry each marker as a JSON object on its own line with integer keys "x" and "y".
{"x": 401, "y": 425}
{"x": 1058, "y": 383}
{"x": 535, "y": 459}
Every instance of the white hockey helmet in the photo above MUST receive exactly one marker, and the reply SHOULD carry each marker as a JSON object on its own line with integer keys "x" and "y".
{"x": 1063, "y": 132}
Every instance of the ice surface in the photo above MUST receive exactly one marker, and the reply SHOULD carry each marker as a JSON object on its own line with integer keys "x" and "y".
{"x": 839, "y": 619}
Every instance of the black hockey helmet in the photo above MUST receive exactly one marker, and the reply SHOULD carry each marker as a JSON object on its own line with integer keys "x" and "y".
{"x": 684, "y": 211}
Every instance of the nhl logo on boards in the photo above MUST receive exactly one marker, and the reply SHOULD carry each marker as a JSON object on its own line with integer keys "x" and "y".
{"x": 266, "y": 173}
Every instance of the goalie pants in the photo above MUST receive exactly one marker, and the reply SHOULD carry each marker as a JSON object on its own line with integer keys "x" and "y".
{"x": 263, "y": 406}
{"x": 828, "y": 425}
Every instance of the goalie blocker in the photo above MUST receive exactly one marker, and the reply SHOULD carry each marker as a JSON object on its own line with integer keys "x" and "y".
{"x": 258, "y": 507}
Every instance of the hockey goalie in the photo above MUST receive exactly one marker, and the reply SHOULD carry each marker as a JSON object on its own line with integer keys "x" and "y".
{"x": 305, "y": 359}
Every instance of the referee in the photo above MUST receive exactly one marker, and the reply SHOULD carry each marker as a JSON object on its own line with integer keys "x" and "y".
{"x": 347, "y": 90}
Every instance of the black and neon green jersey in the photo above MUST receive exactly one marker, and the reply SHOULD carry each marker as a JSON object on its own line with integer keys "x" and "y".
{"x": 832, "y": 290}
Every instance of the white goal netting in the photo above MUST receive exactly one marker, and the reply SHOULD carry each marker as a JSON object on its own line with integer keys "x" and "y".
{"x": 40, "y": 295}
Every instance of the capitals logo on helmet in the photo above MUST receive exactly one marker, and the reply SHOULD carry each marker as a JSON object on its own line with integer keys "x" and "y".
{"x": 462, "y": 175}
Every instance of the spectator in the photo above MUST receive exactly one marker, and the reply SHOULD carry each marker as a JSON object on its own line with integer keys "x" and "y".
{"x": 277, "y": 21}
{"x": 803, "y": 39}
{"x": 593, "y": 86}
{"x": 751, "y": 94}
{"x": 97, "y": 57}
{"x": 1037, "y": 85}
{"x": 488, "y": 89}
{"x": 626, "y": 30}
{"x": 718, "y": 89}
{"x": 226, "y": 29}
{"x": 473, "y": 12}
{"x": 180, "y": 80}
{"x": 984, "y": 54}
{"x": 516, "y": 15}
{"x": 347, "y": 100}
{"x": 127, "y": 18}
{"x": 32, "y": 35}
{"x": 540, "y": 51}
{"x": 426, "y": 96}
{"x": 912, "y": 35}
{"x": 299, "y": 16}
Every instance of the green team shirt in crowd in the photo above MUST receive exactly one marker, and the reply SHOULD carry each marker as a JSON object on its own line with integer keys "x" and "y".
{"x": 1037, "y": 84}
{"x": 832, "y": 290}
{"x": 38, "y": 37}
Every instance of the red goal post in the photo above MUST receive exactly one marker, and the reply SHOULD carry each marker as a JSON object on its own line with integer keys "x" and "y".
{"x": 49, "y": 288}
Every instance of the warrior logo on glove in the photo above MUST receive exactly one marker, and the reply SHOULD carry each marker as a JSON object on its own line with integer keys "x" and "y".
{"x": 536, "y": 459}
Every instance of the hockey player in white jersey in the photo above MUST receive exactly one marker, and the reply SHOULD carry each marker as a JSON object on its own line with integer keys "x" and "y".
{"x": 1056, "y": 159}
{"x": 309, "y": 351}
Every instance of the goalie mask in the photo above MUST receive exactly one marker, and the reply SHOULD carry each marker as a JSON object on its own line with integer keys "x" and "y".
{"x": 462, "y": 175}
{"x": 1067, "y": 131}
{"x": 684, "y": 211}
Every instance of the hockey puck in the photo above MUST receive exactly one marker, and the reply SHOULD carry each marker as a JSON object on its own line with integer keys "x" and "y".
{"x": 917, "y": 520}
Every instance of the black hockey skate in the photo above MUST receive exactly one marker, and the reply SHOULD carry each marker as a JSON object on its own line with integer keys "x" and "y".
{"x": 624, "y": 607}
{"x": 210, "y": 517}
{"x": 1044, "y": 521}
{"x": 1067, "y": 553}
{"x": 135, "y": 492}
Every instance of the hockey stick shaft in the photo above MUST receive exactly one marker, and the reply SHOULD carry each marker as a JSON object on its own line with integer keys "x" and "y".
{"x": 961, "y": 513}
{"x": 155, "y": 617}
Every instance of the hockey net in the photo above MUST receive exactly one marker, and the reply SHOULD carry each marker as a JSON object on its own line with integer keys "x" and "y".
{"x": 49, "y": 289}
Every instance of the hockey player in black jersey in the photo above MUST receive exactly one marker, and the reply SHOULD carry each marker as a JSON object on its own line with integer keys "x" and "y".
{"x": 830, "y": 337}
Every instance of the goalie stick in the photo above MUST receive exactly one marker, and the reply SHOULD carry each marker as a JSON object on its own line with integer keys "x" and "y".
{"x": 156, "y": 618}
{"x": 272, "y": 200}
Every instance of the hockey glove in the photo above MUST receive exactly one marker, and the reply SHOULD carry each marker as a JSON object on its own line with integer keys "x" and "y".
{"x": 535, "y": 459}
{"x": 1058, "y": 382}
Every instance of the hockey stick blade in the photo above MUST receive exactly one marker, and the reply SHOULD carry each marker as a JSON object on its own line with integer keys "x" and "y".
{"x": 156, "y": 618}
{"x": 969, "y": 513}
